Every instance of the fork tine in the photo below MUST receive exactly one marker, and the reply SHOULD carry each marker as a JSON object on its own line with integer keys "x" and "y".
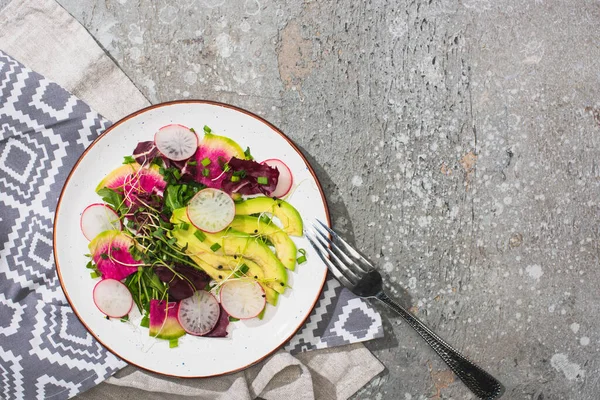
{"x": 324, "y": 242}
{"x": 348, "y": 263}
{"x": 347, "y": 247}
{"x": 340, "y": 277}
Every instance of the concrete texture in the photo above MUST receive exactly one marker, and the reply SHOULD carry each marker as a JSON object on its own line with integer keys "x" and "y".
{"x": 457, "y": 143}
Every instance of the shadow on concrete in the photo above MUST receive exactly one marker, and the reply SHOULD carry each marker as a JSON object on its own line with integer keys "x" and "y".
{"x": 337, "y": 211}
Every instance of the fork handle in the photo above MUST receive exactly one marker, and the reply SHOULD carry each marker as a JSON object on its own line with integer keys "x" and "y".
{"x": 475, "y": 378}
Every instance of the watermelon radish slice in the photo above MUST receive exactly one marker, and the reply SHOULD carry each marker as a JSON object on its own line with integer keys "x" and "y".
{"x": 213, "y": 152}
{"x": 211, "y": 210}
{"x": 176, "y": 142}
{"x": 199, "y": 314}
{"x": 97, "y": 218}
{"x": 242, "y": 298}
{"x": 145, "y": 182}
{"x": 285, "y": 181}
{"x": 112, "y": 298}
{"x": 110, "y": 252}
{"x": 116, "y": 178}
{"x": 163, "y": 320}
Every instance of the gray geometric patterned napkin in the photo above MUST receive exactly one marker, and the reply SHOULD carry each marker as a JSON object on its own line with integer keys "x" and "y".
{"x": 45, "y": 352}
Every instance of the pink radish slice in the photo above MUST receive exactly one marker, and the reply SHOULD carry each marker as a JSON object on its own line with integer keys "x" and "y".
{"x": 112, "y": 298}
{"x": 176, "y": 142}
{"x": 97, "y": 218}
{"x": 285, "y": 181}
{"x": 211, "y": 210}
{"x": 198, "y": 314}
{"x": 242, "y": 298}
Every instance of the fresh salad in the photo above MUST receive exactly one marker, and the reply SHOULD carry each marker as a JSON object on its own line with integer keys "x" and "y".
{"x": 193, "y": 232}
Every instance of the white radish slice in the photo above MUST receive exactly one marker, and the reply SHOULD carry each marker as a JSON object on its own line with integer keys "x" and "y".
{"x": 199, "y": 314}
{"x": 242, "y": 298}
{"x": 112, "y": 298}
{"x": 176, "y": 142}
{"x": 211, "y": 210}
{"x": 97, "y": 218}
{"x": 285, "y": 181}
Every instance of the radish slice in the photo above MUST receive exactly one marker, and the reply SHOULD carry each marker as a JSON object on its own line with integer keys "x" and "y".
{"x": 285, "y": 181}
{"x": 211, "y": 210}
{"x": 242, "y": 298}
{"x": 198, "y": 314}
{"x": 112, "y": 298}
{"x": 97, "y": 218}
{"x": 176, "y": 142}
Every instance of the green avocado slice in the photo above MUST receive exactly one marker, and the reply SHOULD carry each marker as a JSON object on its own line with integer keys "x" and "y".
{"x": 231, "y": 243}
{"x": 284, "y": 246}
{"x": 211, "y": 263}
{"x": 284, "y": 211}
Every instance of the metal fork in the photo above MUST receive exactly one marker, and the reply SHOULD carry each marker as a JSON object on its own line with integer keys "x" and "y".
{"x": 356, "y": 273}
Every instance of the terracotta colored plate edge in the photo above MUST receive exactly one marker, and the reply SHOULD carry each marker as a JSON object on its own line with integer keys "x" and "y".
{"x": 166, "y": 104}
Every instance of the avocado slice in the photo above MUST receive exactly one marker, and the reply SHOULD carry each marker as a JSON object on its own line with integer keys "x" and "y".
{"x": 284, "y": 246}
{"x": 210, "y": 263}
{"x": 235, "y": 244}
{"x": 284, "y": 211}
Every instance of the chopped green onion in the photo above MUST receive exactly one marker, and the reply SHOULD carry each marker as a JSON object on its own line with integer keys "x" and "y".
{"x": 128, "y": 160}
{"x": 205, "y": 162}
{"x": 207, "y": 129}
{"x": 104, "y": 256}
{"x": 200, "y": 235}
{"x": 232, "y": 319}
{"x": 262, "y": 180}
{"x": 235, "y": 178}
{"x": 145, "y": 323}
{"x": 192, "y": 163}
{"x": 241, "y": 271}
{"x": 205, "y": 172}
{"x": 184, "y": 226}
{"x": 226, "y": 167}
{"x": 173, "y": 343}
{"x": 125, "y": 318}
{"x": 94, "y": 275}
{"x": 215, "y": 247}
{"x": 247, "y": 154}
{"x": 241, "y": 173}
{"x": 302, "y": 259}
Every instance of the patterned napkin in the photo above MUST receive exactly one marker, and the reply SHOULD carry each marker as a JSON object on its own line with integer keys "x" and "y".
{"x": 44, "y": 350}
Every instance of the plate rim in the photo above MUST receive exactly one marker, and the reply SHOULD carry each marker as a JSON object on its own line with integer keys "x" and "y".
{"x": 133, "y": 115}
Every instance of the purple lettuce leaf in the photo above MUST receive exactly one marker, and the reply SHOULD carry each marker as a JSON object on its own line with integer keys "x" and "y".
{"x": 220, "y": 330}
{"x": 182, "y": 287}
{"x": 145, "y": 152}
{"x": 248, "y": 182}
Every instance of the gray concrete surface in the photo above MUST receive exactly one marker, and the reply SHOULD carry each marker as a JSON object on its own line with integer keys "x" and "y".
{"x": 458, "y": 143}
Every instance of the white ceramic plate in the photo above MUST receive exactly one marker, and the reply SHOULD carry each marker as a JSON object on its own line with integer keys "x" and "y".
{"x": 248, "y": 341}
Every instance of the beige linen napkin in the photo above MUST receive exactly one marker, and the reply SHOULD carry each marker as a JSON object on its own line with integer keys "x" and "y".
{"x": 44, "y": 37}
